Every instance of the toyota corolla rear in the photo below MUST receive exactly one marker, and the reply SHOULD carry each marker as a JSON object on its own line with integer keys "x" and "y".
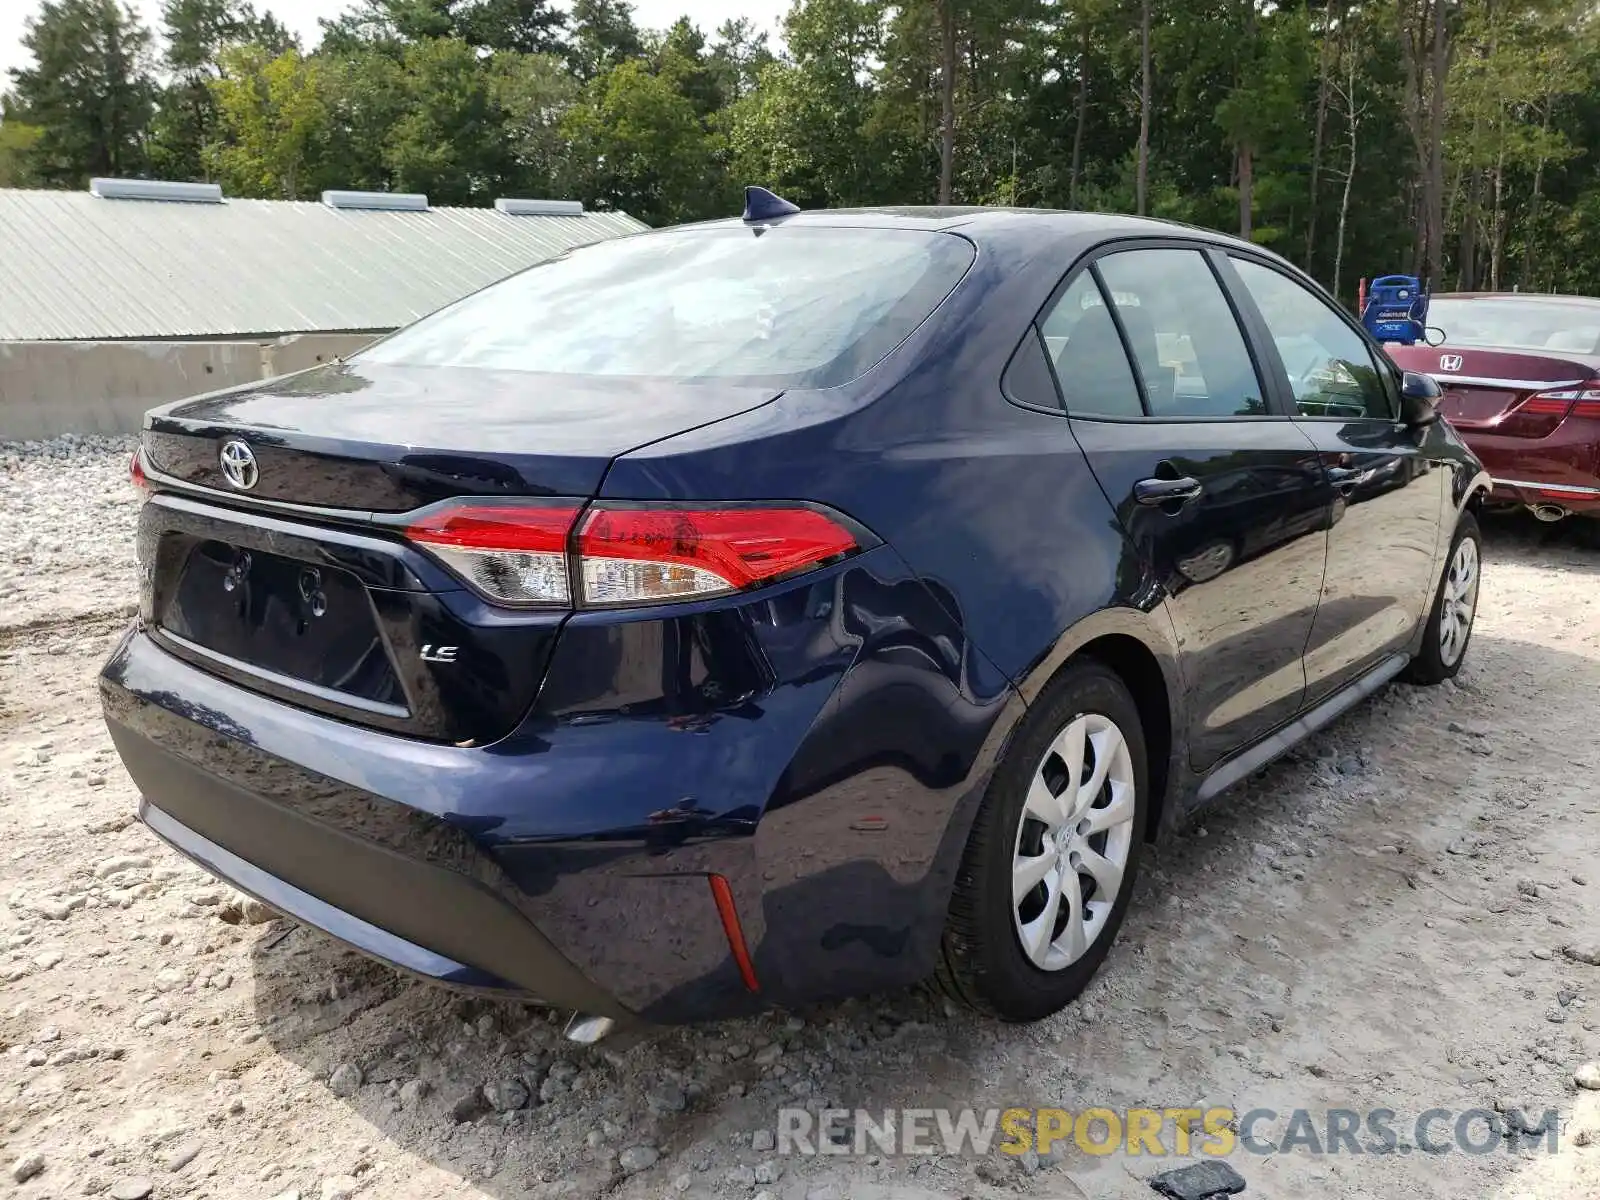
{"x": 405, "y": 670}
{"x": 1521, "y": 379}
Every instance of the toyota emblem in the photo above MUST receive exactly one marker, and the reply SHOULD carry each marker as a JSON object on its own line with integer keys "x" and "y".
{"x": 239, "y": 464}
{"x": 1450, "y": 362}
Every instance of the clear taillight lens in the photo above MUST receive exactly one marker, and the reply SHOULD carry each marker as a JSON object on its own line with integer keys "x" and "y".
{"x": 643, "y": 555}
{"x": 513, "y": 554}
{"x": 527, "y": 553}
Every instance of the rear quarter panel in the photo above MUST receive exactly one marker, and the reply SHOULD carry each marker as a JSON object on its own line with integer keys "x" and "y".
{"x": 995, "y": 512}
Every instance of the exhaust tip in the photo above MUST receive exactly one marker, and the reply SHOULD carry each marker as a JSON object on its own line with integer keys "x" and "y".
{"x": 587, "y": 1030}
{"x": 1548, "y": 513}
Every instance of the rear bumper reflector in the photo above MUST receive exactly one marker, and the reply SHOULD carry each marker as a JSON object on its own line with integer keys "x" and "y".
{"x": 723, "y": 895}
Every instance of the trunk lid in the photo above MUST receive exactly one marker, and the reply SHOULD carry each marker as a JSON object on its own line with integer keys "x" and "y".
{"x": 382, "y": 438}
{"x": 325, "y": 604}
{"x": 1483, "y": 387}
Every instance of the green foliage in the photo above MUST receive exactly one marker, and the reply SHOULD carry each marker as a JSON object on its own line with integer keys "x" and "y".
{"x": 18, "y": 141}
{"x": 603, "y": 36}
{"x": 275, "y": 122}
{"x": 90, "y": 91}
{"x": 638, "y": 144}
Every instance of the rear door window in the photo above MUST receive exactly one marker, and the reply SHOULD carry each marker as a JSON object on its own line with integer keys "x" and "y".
{"x": 785, "y": 306}
{"x": 1182, "y": 334}
{"x": 1091, "y": 367}
{"x": 1331, "y": 369}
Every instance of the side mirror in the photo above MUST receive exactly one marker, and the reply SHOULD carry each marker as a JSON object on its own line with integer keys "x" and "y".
{"x": 1419, "y": 399}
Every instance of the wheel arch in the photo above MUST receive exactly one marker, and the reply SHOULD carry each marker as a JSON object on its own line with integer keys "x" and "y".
{"x": 1140, "y": 649}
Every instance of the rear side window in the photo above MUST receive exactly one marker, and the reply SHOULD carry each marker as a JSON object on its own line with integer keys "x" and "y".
{"x": 788, "y": 306}
{"x": 1082, "y": 342}
{"x": 1182, "y": 334}
{"x": 1331, "y": 369}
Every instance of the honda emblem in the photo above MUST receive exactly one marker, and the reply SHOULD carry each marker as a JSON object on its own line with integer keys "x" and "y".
{"x": 1450, "y": 362}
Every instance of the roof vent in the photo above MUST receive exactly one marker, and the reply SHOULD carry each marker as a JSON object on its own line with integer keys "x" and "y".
{"x": 539, "y": 208}
{"x": 156, "y": 189}
{"x": 382, "y": 201}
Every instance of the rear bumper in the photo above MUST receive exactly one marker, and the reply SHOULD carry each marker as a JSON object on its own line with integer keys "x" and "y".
{"x": 1578, "y": 498}
{"x": 422, "y": 917}
{"x": 374, "y": 840}
{"x": 553, "y": 973}
{"x": 1562, "y": 469}
{"x": 819, "y": 748}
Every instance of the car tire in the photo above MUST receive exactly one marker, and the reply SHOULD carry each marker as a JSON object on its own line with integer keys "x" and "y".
{"x": 984, "y": 962}
{"x": 1446, "y": 636}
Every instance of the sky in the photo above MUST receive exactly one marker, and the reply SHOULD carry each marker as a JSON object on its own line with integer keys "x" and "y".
{"x": 301, "y": 16}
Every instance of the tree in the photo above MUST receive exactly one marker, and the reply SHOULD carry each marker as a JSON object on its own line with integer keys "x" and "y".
{"x": 517, "y": 26}
{"x": 1141, "y": 191}
{"x": 196, "y": 32}
{"x": 89, "y": 91}
{"x": 533, "y": 94}
{"x": 603, "y": 36}
{"x": 682, "y": 57}
{"x": 815, "y": 127}
{"x": 18, "y": 141}
{"x": 448, "y": 141}
{"x": 1347, "y": 90}
{"x": 738, "y": 56}
{"x": 1424, "y": 37}
{"x": 639, "y": 145}
{"x": 948, "y": 66}
{"x": 274, "y": 124}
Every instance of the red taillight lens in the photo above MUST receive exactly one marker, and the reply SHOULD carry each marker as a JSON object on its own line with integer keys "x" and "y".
{"x": 643, "y": 555}
{"x": 1576, "y": 402}
{"x": 516, "y": 554}
{"x": 526, "y": 552}
{"x": 136, "y": 475}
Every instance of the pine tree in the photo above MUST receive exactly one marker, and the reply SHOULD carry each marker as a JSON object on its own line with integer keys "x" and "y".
{"x": 89, "y": 91}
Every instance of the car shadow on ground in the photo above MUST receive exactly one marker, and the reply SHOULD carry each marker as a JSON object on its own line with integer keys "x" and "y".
{"x": 489, "y": 1092}
{"x": 1573, "y": 542}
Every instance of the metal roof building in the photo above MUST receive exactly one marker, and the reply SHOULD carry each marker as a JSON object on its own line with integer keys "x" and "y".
{"x": 138, "y": 260}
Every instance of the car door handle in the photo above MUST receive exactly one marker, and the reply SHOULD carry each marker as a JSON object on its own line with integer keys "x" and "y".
{"x": 1156, "y": 492}
{"x": 1347, "y": 479}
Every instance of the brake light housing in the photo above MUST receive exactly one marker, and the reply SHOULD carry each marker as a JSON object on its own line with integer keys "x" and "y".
{"x": 510, "y": 553}
{"x": 136, "y": 475}
{"x": 632, "y": 555}
{"x": 1539, "y": 415}
{"x": 565, "y": 553}
{"x": 1564, "y": 402}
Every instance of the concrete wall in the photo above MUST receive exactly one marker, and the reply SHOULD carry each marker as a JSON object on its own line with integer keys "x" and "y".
{"x": 51, "y": 388}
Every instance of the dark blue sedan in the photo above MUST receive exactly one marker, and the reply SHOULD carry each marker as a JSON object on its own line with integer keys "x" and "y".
{"x": 780, "y": 608}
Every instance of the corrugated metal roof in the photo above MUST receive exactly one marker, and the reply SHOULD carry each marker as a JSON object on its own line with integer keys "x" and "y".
{"x": 73, "y": 266}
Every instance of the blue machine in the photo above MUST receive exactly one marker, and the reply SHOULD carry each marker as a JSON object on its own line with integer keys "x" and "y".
{"x": 1396, "y": 309}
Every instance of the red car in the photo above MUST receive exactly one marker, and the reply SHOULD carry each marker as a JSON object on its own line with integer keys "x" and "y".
{"x": 1521, "y": 379}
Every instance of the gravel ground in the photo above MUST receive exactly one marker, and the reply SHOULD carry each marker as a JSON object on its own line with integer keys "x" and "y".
{"x": 1387, "y": 919}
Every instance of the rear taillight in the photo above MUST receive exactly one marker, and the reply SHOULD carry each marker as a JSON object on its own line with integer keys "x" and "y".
{"x": 1564, "y": 402}
{"x": 622, "y": 554}
{"x": 137, "y": 477}
{"x": 516, "y": 554}
{"x": 639, "y": 555}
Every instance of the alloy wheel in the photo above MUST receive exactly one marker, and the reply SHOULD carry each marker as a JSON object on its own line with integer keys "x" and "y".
{"x": 1073, "y": 842}
{"x": 1460, "y": 601}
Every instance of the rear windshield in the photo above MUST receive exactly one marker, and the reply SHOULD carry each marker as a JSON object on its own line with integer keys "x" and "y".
{"x": 786, "y": 306}
{"x": 1517, "y": 324}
